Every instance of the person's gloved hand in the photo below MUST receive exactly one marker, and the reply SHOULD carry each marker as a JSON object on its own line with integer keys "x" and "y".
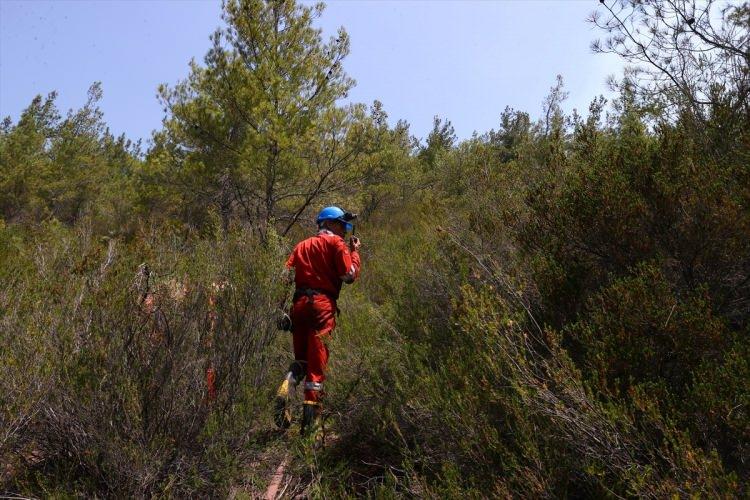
{"x": 284, "y": 322}
{"x": 354, "y": 243}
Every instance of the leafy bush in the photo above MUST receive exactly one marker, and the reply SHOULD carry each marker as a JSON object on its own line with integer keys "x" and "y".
{"x": 553, "y": 308}
{"x": 109, "y": 359}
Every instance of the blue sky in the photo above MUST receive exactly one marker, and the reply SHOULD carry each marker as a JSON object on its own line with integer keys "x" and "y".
{"x": 462, "y": 60}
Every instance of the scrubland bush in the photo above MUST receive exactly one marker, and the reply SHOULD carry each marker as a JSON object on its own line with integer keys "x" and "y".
{"x": 107, "y": 345}
{"x": 554, "y": 308}
{"x": 489, "y": 403}
{"x": 564, "y": 324}
{"x": 562, "y": 311}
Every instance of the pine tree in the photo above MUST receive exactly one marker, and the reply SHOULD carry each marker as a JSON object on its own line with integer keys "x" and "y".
{"x": 256, "y": 132}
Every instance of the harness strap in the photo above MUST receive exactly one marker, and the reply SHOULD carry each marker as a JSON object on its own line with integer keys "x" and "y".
{"x": 311, "y": 292}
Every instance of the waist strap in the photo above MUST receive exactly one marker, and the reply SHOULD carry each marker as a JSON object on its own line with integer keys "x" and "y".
{"x": 310, "y": 292}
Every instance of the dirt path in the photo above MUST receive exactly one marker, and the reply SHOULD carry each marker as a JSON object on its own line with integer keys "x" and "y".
{"x": 265, "y": 471}
{"x": 272, "y": 492}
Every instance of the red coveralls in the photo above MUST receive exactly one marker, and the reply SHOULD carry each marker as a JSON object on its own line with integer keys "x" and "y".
{"x": 321, "y": 264}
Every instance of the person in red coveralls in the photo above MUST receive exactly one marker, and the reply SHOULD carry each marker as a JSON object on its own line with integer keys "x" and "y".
{"x": 321, "y": 263}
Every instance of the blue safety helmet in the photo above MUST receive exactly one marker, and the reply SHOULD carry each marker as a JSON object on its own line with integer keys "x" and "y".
{"x": 335, "y": 213}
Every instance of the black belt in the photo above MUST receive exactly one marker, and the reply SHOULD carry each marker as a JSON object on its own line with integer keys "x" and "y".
{"x": 310, "y": 292}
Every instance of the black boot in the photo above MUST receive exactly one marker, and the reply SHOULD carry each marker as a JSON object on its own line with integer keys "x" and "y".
{"x": 312, "y": 423}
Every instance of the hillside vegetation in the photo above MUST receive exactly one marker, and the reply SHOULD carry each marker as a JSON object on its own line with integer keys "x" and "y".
{"x": 552, "y": 308}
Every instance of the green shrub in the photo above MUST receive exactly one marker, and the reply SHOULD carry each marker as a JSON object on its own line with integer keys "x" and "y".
{"x": 109, "y": 355}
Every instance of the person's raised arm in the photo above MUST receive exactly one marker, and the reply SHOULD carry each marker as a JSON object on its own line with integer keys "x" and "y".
{"x": 347, "y": 259}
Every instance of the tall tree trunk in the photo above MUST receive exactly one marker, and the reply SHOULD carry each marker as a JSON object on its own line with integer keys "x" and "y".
{"x": 225, "y": 202}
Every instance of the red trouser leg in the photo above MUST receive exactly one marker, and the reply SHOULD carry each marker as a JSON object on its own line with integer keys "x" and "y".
{"x": 317, "y": 361}
{"x": 211, "y": 383}
{"x": 314, "y": 320}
